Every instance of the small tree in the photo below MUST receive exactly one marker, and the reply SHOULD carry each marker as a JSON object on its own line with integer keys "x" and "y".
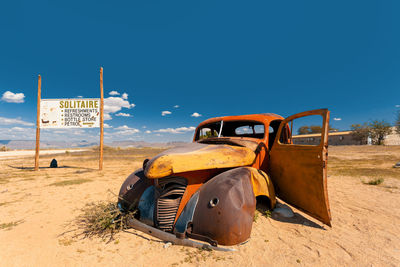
{"x": 312, "y": 129}
{"x": 303, "y": 130}
{"x": 315, "y": 129}
{"x": 331, "y": 129}
{"x": 379, "y": 130}
{"x": 360, "y": 132}
{"x": 397, "y": 123}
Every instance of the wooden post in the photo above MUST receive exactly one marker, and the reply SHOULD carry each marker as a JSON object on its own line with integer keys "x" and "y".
{"x": 38, "y": 124}
{"x": 101, "y": 119}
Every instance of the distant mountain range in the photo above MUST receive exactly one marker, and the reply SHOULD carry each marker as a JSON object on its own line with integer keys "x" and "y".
{"x": 30, "y": 144}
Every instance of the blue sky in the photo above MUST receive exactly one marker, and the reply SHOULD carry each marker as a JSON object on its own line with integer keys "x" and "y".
{"x": 213, "y": 58}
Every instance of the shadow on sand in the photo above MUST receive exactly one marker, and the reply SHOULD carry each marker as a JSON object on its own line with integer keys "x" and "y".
{"x": 297, "y": 218}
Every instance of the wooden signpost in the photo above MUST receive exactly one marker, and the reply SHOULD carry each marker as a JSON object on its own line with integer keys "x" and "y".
{"x": 38, "y": 124}
{"x": 101, "y": 120}
{"x": 70, "y": 113}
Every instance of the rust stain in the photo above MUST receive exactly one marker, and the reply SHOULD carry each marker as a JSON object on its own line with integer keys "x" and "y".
{"x": 299, "y": 173}
{"x": 201, "y": 157}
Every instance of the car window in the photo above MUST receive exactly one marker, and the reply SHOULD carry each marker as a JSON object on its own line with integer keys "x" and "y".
{"x": 259, "y": 129}
{"x": 305, "y": 130}
{"x": 241, "y": 128}
{"x": 207, "y": 133}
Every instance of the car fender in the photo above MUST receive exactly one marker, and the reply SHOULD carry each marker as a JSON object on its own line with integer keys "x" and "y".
{"x": 223, "y": 208}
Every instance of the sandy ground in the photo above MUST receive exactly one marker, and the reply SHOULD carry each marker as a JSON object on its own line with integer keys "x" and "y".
{"x": 34, "y": 213}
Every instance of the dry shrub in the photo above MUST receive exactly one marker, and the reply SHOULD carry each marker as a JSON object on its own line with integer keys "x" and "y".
{"x": 376, "y": 181}
{"x": 71, "y": 182}
{"x": 4, "y": 148}
{"x": 10, "y": 225}
{"x": 101, "y": 219}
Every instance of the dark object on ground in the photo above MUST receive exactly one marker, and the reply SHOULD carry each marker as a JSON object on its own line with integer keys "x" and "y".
{"x": 397, "y": 165}
{"x": 53, "y": 164}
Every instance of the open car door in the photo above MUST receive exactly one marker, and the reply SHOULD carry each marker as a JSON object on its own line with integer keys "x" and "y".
{"x": 299, "y": 172}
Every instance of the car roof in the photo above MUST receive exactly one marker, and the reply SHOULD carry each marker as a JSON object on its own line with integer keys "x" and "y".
{"x": 263, "y": 117}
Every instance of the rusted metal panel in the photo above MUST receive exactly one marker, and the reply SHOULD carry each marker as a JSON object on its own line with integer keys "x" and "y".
{"x": 299, "y": 171}
{"x": 243, "y": 141}
{"x": 262, "y": 185}
{"x": 131, "y": 190}
{"x": 225, "y": 208}
{"x": 195, "y": 156}
{"x": 167, "y": 237}
{"x": 195, "y": 180}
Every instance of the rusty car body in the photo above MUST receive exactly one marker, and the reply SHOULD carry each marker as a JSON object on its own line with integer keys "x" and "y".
{"x": 208, "y": 189}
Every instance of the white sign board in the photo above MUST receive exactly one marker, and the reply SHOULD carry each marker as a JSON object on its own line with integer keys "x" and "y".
{"x": 70, "y": 113}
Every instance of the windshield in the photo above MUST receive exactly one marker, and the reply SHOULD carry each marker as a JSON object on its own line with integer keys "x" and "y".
{"x": 251, "y": 129}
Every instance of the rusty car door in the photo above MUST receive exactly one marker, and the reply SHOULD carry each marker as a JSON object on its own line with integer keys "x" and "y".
{"x": 299, "y": 172}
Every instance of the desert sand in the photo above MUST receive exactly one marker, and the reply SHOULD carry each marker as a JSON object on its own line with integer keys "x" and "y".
{"x": 36, "y": 207}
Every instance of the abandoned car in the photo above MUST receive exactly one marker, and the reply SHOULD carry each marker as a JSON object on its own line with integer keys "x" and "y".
{"x": 208, "y": 189}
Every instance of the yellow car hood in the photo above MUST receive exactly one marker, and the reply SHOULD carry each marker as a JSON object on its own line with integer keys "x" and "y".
{"x": 195, "y": 156}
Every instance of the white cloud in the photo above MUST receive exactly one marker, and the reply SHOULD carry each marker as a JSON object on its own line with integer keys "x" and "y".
{"x": 10, "y": 97}
{"x": 337, "y": 119}
{"x": 165, "y": 112}
{"x": 125, "y": 96}
{"x": 148, "y": 131}
{"x": 144, "y": 126}
{"x": 114, "y": 104}
{"x": 70, "y": 135}
{"x": 397, "y": 106}
{"x": 19, "y": 129}
{"x": 123, "y": 114}
{"x": 126, "y": 130}
{"x": 17, "y": 133}
{"x": 8, "y": 121}
{"x": 79, "y": 96}
{"x": 60, "y": 131}
{"x": 107, "y": 125}
{"x": 107, "y": 117}
{"x": 113, "y": 93}
{"x": 59, "y": 135}
{"x": 79, "y": 132}
{"x": 179, "y": 130}
{"x": 123, "y": 127}
{"x": 176, "y": 106}
{"x": 195, "y": 114}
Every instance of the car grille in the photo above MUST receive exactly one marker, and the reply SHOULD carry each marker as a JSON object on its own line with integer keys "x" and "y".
{"x": 171, "y": 190}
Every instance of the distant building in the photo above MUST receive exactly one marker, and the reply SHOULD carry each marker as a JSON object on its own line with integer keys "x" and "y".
{"x": 335, "y": 139}
{"x": 341, "y": 138}
{"x": 393, "y": 139}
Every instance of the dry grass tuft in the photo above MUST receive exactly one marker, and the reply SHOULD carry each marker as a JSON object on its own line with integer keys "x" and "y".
{"x": 101, "y": 219}
{"x": 377, "y": 166}
{"x": 10, "y": 225}
{"x": 6, "y": 203}
{"x": 198, "y": 255}
{"x": 376, "y": 181}
{"x": 4, "y": 148}
{"x": 65, "y": 242}
{"x": 71, "y": 182}
{"x": 4, "y": 180}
